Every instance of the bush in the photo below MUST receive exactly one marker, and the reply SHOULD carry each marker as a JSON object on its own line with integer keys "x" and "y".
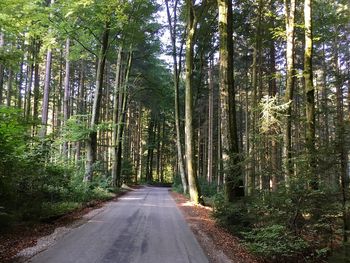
{"x": 274, "y": 241}
{"x": 51, "y": 210}
{"x": 207, "y": 189}
{"x": 177, "y": 184}
{"x": 236, "y": 217}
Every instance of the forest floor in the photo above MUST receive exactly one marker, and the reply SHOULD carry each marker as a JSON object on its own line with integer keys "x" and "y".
{"x": 219, "y": 245}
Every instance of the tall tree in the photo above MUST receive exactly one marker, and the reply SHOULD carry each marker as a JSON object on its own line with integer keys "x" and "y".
{"x": 91, "y": 143}
{"x": 310, "y": 93}
{"x": 45, "y": 104}
{"x": 176, "y": 73}
{"x": 193, "y": 185}
{"x": 228, "y": 99}
{"x": 66, "y": 94}
{"x": 289, "y": 6}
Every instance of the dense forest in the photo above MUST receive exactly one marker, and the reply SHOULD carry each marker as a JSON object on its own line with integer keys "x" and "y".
{"x": 242, "y": 104}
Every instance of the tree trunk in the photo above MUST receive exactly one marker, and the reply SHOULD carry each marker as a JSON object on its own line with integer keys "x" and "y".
{"x": 233, "y": 181}
{"x": 91, "y": 143}
{"x": 210, "y": 124}
{"x": 1, "y": 69}
{"x": 117, "y": 90}
{"x": 340, "y": 141}
{"x": 288, "y": 98}
{"x": 194, "y": 189}
{"x": 9, "y": 88}
{"x": 310, "y": 95}
{"x": 66, "y": 96}
{"x": 45, "y": 104}
{"x": 273, "y": 93}
{"x": 81, "y": 104}
{"x": 121, "y": 121}
{"x": 176, "y": 73}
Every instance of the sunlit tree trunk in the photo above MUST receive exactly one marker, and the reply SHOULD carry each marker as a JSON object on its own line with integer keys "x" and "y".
{"x": 46, "y": 94}
{"x": 194, "y": 189}
{"x": 288, "y": 97}
{"x": 310, "y": 94}
{"x": 45, "y": 104}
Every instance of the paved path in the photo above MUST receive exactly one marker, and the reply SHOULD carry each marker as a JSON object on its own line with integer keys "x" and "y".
{"x": 142, "y": 226}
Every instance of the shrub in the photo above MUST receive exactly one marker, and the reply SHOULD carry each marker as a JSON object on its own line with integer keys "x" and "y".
{"x": 274, "y": 241}
{"x": 236, "y": 217}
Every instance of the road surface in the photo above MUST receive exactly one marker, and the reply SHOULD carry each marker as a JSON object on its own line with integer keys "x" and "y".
{"x": 142, "y": 226}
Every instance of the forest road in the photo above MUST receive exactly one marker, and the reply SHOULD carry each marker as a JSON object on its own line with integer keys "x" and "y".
{"x": 142, "y": 226}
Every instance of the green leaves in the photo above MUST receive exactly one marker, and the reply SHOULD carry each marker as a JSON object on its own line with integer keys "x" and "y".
{"x": 76, "y": 129}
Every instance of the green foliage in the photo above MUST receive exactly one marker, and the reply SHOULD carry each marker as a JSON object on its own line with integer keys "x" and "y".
{"x": 293, "y": 222}
{"x": 274, "y": 241}
{"x": 233, "y": 216}
{"x": 177, "y": 184}
{"x": 207, "y": 189}
{"x": 32, "y": 187}
{"x": 76, "y": 128}
{"x": 128, "y": 171}
{"x": 50, "y": 210}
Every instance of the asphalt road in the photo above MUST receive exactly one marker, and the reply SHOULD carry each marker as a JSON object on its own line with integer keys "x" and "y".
{"x": 142, "y": 226}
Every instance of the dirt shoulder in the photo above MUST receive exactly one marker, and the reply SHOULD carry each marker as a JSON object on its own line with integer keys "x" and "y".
{"x": 218, "y": 244}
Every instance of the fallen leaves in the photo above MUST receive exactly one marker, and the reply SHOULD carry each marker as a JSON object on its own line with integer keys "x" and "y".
{"x": 219, "y": 245}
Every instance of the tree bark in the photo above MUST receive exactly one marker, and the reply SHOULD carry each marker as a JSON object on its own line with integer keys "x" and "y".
{"x": 210, "y": 124}
{"x": 288, "y": 98}
{"x": 233, "y": 180}
{"x": 1, "y": 69}
{"x": 91, "y": 143}
{"x": 45, "y": 104}
{"x": 310, "y": 95}
{"x": 66, "y": 96}
{"x": 194, "y": 189}
{"x": 121, "y": 120}
{"x": 117, "y": 90}
{"x": 176, "y": 72}
{"x": 9, "y": 88}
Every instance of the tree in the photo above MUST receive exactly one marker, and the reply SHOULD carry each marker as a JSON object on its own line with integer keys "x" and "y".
{"x": 310, "y": 93}
{"x": 228, "y": 99}
{"x": 288, "y": 97}
{"x": 176, "y": 73}
{"x": 91, "y": 144}
{"x": 189, "y": 136}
